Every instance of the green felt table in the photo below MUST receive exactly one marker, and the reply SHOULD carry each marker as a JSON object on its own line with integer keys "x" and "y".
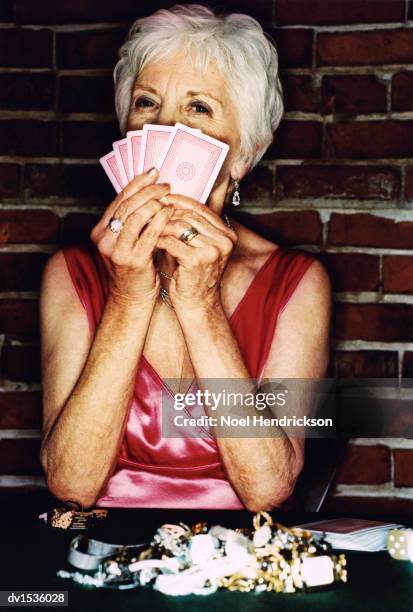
{"x": 31, "y": 554}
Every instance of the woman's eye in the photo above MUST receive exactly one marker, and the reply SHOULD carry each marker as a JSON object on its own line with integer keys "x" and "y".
{"x": 143, "y": 103}
{"x": 200, "y": 108}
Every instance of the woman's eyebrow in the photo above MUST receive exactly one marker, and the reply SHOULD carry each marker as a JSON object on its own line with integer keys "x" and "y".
{"x": 147, "y": 87}
{"x": 203, "y": 93}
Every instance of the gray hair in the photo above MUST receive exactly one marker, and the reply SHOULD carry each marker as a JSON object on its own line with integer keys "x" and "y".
{"x": 241, "y": 50}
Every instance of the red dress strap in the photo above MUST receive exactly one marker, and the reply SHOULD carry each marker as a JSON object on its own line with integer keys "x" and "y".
{"x": 255, "y": 319}
{"x": 89, "y": 276}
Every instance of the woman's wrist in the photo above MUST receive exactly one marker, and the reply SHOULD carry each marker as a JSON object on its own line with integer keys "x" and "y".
{"x": 197, "y": 310}
{"x": 131, "y": 307}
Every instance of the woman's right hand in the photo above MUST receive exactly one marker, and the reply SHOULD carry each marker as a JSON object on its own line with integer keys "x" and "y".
{"x": 128, "y": 254}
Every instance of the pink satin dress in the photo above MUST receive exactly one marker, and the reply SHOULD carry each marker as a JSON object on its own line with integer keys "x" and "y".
{"x": 183, "y": 472}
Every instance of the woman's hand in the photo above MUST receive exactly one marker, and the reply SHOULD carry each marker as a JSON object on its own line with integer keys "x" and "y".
{"x": 201, "y": 262}
{"x": 128, "y": 254}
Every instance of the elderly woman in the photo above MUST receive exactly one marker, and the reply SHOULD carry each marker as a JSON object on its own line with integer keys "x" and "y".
{"x": 235, "y": 306}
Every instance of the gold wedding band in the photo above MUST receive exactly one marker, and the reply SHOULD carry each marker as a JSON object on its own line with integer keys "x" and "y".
{"x": 188, "y": 235}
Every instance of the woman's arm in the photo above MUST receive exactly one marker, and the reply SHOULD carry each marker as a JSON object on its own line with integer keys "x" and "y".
{"x": 263, "y": 471}
{"x": 87, "y": 386}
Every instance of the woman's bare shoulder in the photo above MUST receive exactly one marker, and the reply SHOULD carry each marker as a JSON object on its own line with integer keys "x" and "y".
{"x": 55, "y": 270}
{"x": 57, "y": 289}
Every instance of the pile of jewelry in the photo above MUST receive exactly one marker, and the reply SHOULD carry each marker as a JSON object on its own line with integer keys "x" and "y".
{"x": 199, "y": 560}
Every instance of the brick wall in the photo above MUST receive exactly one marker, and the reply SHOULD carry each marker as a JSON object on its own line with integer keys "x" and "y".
{"x": 337, "y": 181}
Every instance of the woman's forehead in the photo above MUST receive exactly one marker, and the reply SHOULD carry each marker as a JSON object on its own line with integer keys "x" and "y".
{"x": 181, "y": 65}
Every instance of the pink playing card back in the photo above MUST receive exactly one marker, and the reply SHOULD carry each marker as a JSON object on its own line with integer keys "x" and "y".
{"x": 134, "y": 142}
{"x": 111, "y": 167}
{"x": 154, "y": 141}
{"x": 192, "y": 162}
{"x": 120, "y": 148}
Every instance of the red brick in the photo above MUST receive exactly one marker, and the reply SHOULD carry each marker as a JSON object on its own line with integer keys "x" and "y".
{"x": 86, "y": 94}
{"x": 25, "y": 48}
{"x": 285, "y": 227}
{"x": 27, "y": 90}
{"x": 408, "y": 364}
{"x": 300, "y": 93}
{"x": 262, "y": 10}
{"x": 7, "y": 11}
{"x": 294, "y": 46}
{"x": 79, "y": 11}
{"x": 365, "y": 465}
{"x": 9, "y": 180}
{"x": 403, "y": 467}
{"x": 77, "y": 227}
{"x": 360, "y": 182}
{"x": 373, "y": 322}
{"x": 409, "y": 182}
{"x": 257, "y": 185}
{"x": 366, "y": 364}
{"x": 355, "y": 93}
{"x": 28, "y": 226}
{"x": 352, "y": 271}
{"x": 397, "y": 274}
{"x": 90, "y": 11}
{"x": 86, "y": 181}
{"x": 21, "y": 363}
{"x": 20, "y": 410}
{"x": 368, "y": 414}
{"x": 20, "y": 457}
{"x": 21, "y": 271}
{"x": 88, "y": 138}
{"x": 89, "y": 48}
{"x": 370, "y": 139}
{"x": 396, "y": 416}
{"x": 320, "y": 12}
{"x": 401, "y": 91}
{"x": 374, "y": 47}
{"x": 369, "y": 506}
{"x": 363, "y": 229}
{"x": 28, "y": 137}
{"x": 19, "y": 317}
{"x": 296, "y": 140}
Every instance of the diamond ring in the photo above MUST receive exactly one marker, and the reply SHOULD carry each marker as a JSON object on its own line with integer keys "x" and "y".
{"x": 115, "y": 225}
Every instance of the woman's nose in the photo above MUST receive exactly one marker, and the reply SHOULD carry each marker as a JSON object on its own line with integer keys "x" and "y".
{"x": 168, "y": 116}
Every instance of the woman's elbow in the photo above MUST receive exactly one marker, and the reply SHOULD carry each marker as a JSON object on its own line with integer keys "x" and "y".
{"x": 265, "y": 501}
{"x": 272, "y": 497}
{"x": 62, "y": 486}
{"x": 65, "y": 491}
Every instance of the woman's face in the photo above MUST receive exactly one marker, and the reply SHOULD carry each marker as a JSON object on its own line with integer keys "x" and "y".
{"x": 172, "y": 90}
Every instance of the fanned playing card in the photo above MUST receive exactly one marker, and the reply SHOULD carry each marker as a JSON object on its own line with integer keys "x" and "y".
{"x": 154, "y": 141}
{"x": 191, "y": 163}
{"x": 111, "y": 167}
{"x": 134, "y": 145}
{"x": 120, "y": 148}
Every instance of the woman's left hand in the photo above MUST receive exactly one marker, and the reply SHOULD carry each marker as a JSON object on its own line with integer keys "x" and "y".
{"x": 201, "y": 262}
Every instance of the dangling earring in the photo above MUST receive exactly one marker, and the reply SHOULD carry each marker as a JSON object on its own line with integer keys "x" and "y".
{"x": 236, "y": 200}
